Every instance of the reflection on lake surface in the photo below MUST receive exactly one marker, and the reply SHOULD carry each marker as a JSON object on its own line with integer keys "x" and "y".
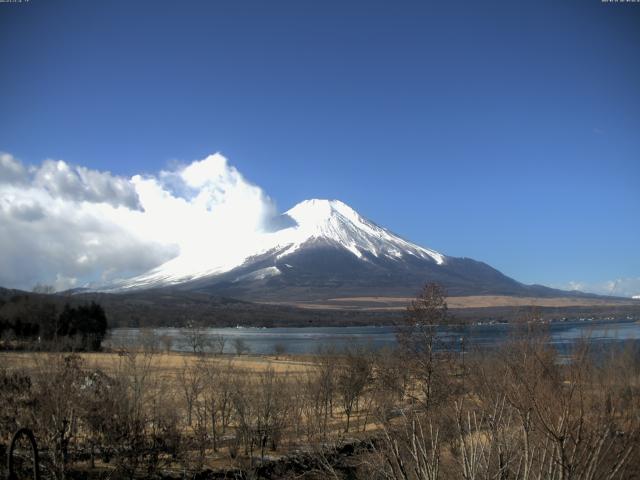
{"x": 310, "y": 339}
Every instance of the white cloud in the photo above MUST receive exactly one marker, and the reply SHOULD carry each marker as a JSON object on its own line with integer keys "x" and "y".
{"x": 11, "y": 170}
{"x": 620, "y": 287}
{"x": 66, "y": 225}
{"x": 82, "y": 184}
{"x": 64, "y": 283}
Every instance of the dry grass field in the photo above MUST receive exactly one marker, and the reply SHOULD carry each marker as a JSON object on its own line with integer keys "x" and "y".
{"x": 168, "y": 364}
{"x": 157, "y": 414}
{"x": 475, "y": 301}
{"x": 260, "y": 394}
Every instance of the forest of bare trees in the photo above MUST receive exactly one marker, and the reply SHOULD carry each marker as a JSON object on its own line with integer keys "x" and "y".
{"x": 420, "y": 411}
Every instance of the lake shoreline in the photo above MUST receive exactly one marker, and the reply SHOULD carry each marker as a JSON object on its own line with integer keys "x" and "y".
{"x": 308, "y": 340}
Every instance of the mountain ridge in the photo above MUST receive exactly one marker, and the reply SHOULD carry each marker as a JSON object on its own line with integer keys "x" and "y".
{"x": 308, "y": 221}
{"x": 324, "y": 249}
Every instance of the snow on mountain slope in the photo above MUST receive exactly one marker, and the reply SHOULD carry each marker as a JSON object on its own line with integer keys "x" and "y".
{"x": 259, "y": 274}
{"x": 337, "y": 222}
{"x": 311, "y": 221}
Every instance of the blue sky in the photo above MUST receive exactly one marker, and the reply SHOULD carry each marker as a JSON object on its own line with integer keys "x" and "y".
{"x": 508, "y": 132}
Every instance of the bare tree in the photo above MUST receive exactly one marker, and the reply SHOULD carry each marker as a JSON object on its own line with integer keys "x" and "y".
{"x": 240, "y": 346}
{"x": 97, "y": 408}
{"x": 217, "y": 393}
{"x": 190, "y": 379}
{"x": 135, "y": 387}
{"x": 149, "y": 340}
{"x": 409, "y": 451}
{"x": 390, "y": 380}
{"x": 353, "y": 376}
{"x": 195, "y": 337}
{"x": 418, "y": 338}
{"x": 272, "y": 402}
{"x": 534, "y": 417}
{"x": 217, "y": 343}
{"x": 58, "y": 386}
{"x": 321, "y": 389}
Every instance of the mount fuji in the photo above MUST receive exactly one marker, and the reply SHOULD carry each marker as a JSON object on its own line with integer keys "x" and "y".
{"x": 322, "y": 249}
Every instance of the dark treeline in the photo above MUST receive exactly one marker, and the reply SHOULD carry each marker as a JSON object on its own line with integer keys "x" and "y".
{"x": 175, "y": 308}
{"x": 166, "y": 308}
{"x": 40, "y": 322}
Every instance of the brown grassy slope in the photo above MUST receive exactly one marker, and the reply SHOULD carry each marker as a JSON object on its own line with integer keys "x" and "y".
{"x": 476, "y": 301}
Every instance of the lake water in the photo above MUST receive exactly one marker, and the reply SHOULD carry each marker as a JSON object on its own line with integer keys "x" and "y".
{"x": 563, "y": 335}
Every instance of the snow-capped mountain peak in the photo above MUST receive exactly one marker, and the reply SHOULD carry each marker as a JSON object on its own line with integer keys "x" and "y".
{"x": 309, "y": 223}
{"x": 318, "y": 210}
{"x": 335, "y": 221}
